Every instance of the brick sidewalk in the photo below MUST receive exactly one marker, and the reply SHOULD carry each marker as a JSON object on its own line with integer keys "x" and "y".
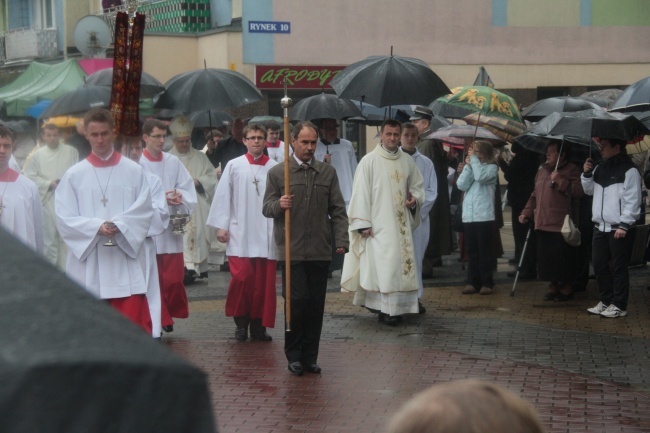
{"x": 582, "y": 373}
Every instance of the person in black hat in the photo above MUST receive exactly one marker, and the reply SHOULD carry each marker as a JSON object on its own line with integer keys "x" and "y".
{"x": 439, "y": 216}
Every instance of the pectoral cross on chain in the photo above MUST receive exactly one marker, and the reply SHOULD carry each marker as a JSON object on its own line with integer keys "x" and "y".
{"x": 256, "y": 182}
{"x": 104, "y": 200}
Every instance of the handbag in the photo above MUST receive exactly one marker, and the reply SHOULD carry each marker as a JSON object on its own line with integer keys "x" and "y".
{"x": 570, "y": 232}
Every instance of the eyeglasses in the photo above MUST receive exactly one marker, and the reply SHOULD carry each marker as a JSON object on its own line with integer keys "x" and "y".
{"x": 256, "y": 138}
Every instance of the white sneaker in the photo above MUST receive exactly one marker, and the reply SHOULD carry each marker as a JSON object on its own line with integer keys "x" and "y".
{"x": 613, "y": 311}
{"x": 597, "y": 309}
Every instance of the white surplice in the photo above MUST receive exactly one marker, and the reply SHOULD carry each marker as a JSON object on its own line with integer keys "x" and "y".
{"x": 174, "y": 176}
{"x": 344, "y": 161}
{"x": 381, "y": 270}
{"x": 237, "y": 207}
{"x": 277, "y": 153}
{"x": 106, "y": 272}
{"x": 159, "y": 224}
{"x": 421, "y": 233}
{"x": 21, "y": 214}
{"x": 44, "y": 166}
{"x": 198, "y": 237}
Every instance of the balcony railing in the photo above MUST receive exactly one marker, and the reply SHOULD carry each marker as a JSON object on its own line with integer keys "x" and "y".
{"x": 29, "y": 43}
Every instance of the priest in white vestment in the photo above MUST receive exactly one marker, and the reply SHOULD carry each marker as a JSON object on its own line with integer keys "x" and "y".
{"x": 103, "y": 210}
{"x": 410, "y": 137}
{"x": 159, "y": 224}
{"x": 384, "y": 210}
{"x": 339, "y": 153}
{"x": 236, "y": 213}
{"x": 181, "y": 199}
{"x": 198, "y": 237}
{"x": 45, "y": 168}
{"x": 20, "y": 204}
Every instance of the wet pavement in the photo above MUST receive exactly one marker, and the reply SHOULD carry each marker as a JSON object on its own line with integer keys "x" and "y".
{"x": 581, "y": 372}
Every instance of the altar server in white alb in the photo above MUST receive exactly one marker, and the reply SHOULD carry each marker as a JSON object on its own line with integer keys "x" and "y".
{"x": 421, "y": 233}
{"x": 236, "y": 213}
{"x": 339, "y": 153}
{"x": 20, "y": 204}
{"x": 159, "y": 224}
{"x": 181, "y": 198}
{"x": 198, "y": 236}
{"x": 275, "y": 146}
{"x": 103, "y": 212}
{"x": 45, "y": 168}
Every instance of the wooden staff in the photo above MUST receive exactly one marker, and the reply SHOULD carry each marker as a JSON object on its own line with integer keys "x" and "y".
{"x": 286, "y": 103}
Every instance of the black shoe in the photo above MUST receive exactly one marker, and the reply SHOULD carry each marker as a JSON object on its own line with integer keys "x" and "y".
{"x": 204, "y": 275}
{"x": 421, "y": 309}
{"x": 261, "y": 336}
{"x": 295, "y": 368}
{"x": 241, "y": 334}
{"x": 312, "y": 368}
{"x": 225, "y": 267}
{"x": 390, "y": 320}
{"x": 562, "y": 297}
{"x": 168, "y": 328}
{"x": 550, "y": 296}
{"x": 513, "y": 261}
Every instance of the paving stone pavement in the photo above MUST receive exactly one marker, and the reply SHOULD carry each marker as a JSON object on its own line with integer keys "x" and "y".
{"x": 581, "y": 372}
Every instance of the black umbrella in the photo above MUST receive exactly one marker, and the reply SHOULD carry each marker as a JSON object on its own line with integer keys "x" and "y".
{"x": 149, "y": 86}
{"x": 579, "y": 148}
{"x": 208, "y": 89}
{"x": 389, "y": 80}
{"x": 210, "y": 118}
{"x": 71, "y": 363}
{"x": 440, "y": 108}
{"x": 635, "y": 98}
{"x": 560, "y": 104}
{"x": 375, "y": 116}
{"x": 595, "y": 123}
{"x": 324, "y": 106}
{"x": 79, "y": 101}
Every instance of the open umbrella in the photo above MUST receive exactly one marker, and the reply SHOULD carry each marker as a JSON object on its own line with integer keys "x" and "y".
{"x": 149, "y": 86}
{"x": 324, "y": 106}
{"x": 79, "y": 101}
{"x": 464, "y": 134}
{"x": 69, "y": 362}
{"x": 208, "y": 89}
{"x": 375, "y": 116}
{"x": 210, "y": 118}
{"x": 479, "y": 99}
{"x": 37, "y": 109}
{"x": 580, "y": 148}
{"x": 609, "y": 94}
{"x": 559, "y": 104}
{"x": 389, "y": 80}
{"x": 635, "y": 98}
{"x": 596, "y": 123}
{"x": 263, "y": 119}
{"x": 506, "y": 129}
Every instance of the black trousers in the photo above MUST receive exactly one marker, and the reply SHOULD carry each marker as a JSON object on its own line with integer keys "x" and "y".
{"x": 611, "y": 258}
{"x": 478, "y": 239}
{"x": 308, "y": 288}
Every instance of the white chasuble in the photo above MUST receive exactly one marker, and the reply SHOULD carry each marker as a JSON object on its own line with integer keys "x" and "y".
{"x": 89, "y": 194}
{"x": 174, "y": 176}
{"x": 20, "y": 209}
{"x": 382, "y": 269}
{"x": 237, "y": 207}
{"x": 198, "y": 237}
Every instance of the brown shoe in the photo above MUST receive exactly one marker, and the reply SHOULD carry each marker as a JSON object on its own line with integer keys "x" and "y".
{"x": 485, "y": 291}
{"x": 469, "y": 290}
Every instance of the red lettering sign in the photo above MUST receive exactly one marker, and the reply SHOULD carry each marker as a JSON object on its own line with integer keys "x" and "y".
{"x": 298, "y": 77}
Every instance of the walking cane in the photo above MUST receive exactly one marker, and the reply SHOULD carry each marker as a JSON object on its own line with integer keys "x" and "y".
{"x": 286, "y": 103}
{"x": 521, "y": 261}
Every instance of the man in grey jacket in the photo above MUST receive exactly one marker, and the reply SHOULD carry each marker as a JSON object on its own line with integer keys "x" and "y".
{"x": 315, "y": 199}
{"x": 616, "y": 187}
